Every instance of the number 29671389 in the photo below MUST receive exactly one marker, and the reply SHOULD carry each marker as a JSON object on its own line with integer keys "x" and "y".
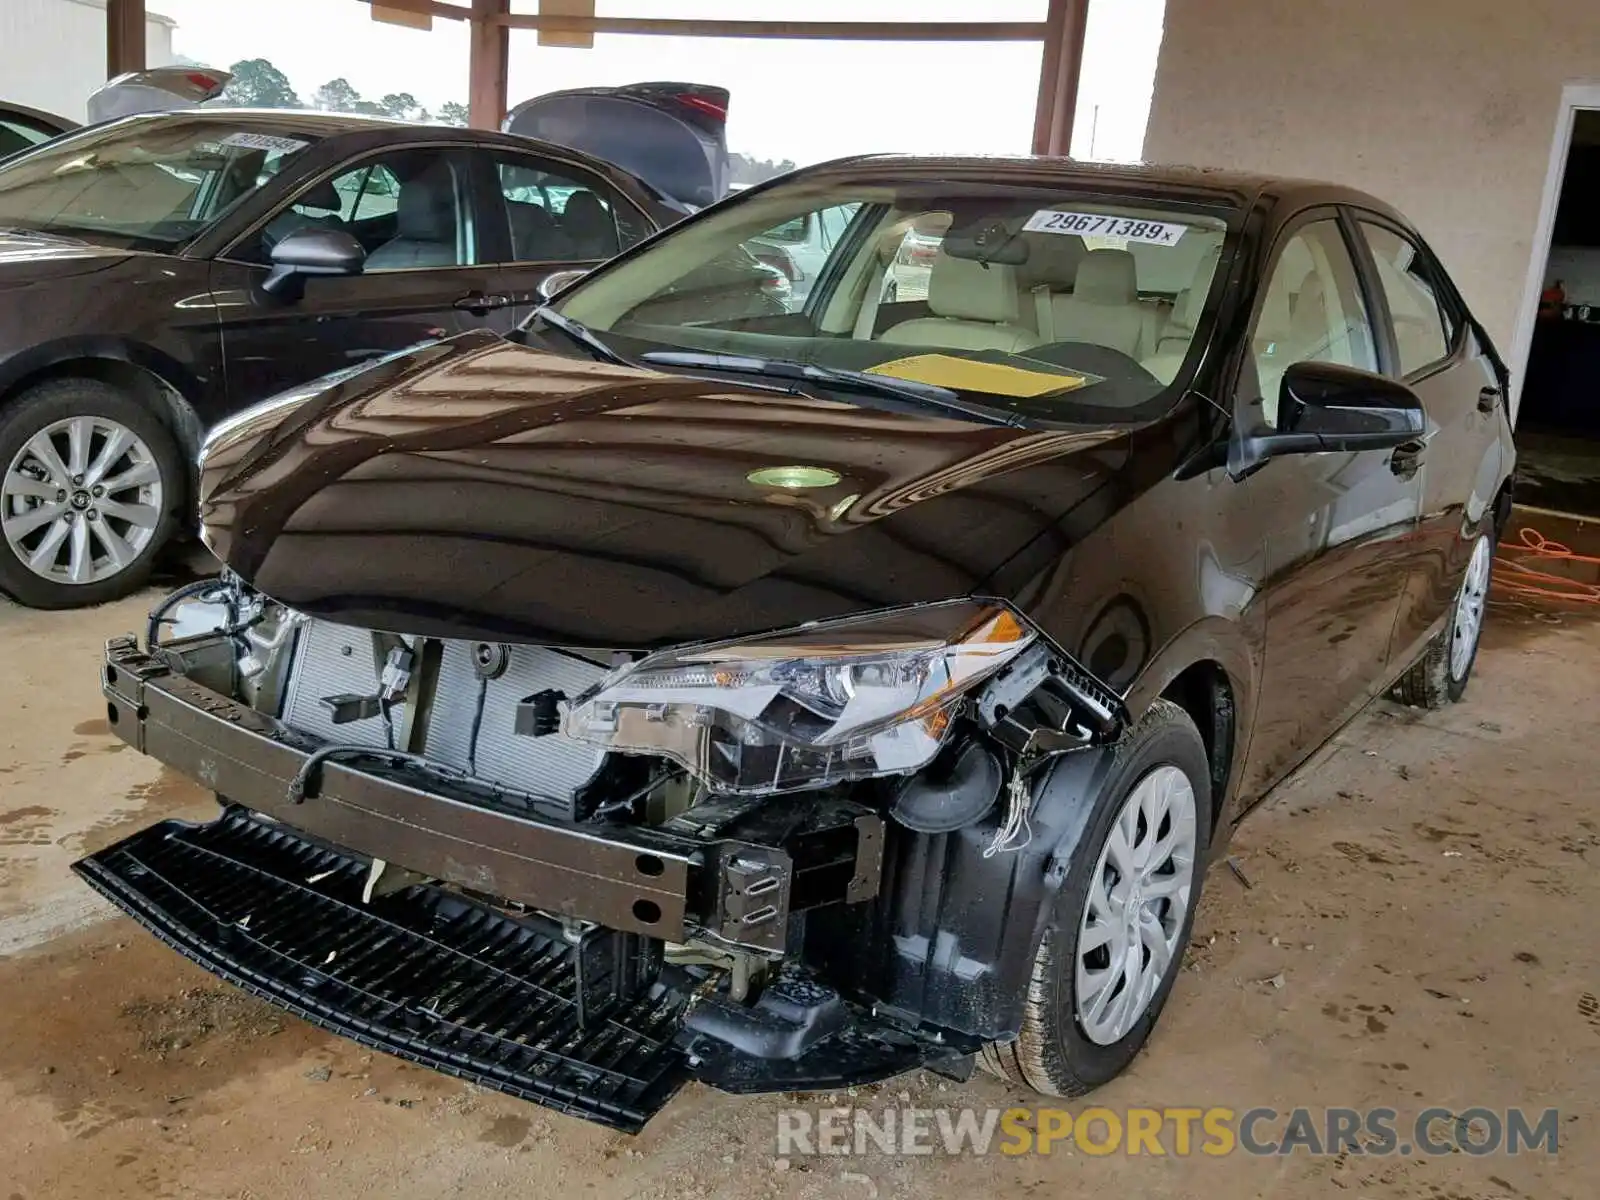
{"x": 1132, "y": 229}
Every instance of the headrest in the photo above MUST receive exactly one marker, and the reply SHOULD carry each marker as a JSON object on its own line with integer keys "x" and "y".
{"x": 1053, "y": 260}
{"x": 426, "y": 210}
{"x": 1107, "y": 277}
{"x": 323, "y": 197}
{"x": 969, "y": 290}
{"x": 1186, "y": 310}
{"x": 1273, "y": 325}
{"x": 1308, "y": 323}
{"x": 584, "y": 208}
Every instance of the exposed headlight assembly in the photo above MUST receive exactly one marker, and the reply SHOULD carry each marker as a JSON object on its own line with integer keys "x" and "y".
{"x": 828, "y": 702}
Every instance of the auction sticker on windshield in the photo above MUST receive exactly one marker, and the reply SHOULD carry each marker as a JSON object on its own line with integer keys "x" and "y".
{"x": 263, "y": 141}
{"x": 1131, "y": 229}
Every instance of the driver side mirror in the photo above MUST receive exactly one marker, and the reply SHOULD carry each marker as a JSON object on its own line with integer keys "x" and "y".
{"x": 312, "y": 252}
{"x": 1325, "y": 406}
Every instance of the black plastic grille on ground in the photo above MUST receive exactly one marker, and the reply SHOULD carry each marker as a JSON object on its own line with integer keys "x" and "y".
{"x": 420, "y": 973}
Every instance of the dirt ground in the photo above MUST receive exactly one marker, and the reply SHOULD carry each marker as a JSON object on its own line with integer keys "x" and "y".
{"x": 1419, "y": 930}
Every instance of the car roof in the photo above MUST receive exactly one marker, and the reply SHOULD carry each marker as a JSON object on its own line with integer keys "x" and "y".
{"x": 1222, "y": 187}
{"x": 331, "y": 124}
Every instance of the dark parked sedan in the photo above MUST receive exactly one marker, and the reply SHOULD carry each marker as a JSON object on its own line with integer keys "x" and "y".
{"x": 791, "y": 700}
{"x": 22, "y": 127}
{"x": 160, "y": 272}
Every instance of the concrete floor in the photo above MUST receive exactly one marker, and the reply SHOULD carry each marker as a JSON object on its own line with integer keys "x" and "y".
{"x": 1420, "y": 931}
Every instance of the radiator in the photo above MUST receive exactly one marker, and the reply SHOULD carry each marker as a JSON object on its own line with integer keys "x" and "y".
{"x": 331, "y": 659}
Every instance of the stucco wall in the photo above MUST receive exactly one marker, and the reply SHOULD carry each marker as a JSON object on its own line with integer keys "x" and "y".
{"x": 53, "y": 52}
{"x": 1445, "y": 108}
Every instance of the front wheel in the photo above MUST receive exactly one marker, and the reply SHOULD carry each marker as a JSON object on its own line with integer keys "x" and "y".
{"x": 1440, "y": 676}
{"x": 1116, "y": 936}
{"x": 91, "y": 485}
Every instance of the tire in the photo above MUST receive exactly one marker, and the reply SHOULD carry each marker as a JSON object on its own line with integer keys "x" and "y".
{"x": 1056, "y": 1053}
{"x": 85, "y": 553}
{"x": 1440, "y": 676}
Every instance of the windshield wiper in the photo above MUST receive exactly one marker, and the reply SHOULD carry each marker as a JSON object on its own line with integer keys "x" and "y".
{"x": 579, "y": 334}
{"x": 924, "y": 395}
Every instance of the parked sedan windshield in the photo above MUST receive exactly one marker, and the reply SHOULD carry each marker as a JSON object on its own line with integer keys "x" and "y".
{"x": 146, "y": 182}
{"x": 1035, "y": 300}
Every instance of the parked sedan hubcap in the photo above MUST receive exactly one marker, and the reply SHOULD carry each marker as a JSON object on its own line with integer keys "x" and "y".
{"x": 81, "y": 500}
{"x": 1469, "y": 610}
{"x": 1138, "y": 899}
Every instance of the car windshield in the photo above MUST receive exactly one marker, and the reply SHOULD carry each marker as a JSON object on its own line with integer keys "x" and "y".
{"x": 1040, "y": 301}
{"x": 146, "y": 182}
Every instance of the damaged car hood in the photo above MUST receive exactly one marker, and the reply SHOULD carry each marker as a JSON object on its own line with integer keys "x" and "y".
{"x": 476, "y": 488}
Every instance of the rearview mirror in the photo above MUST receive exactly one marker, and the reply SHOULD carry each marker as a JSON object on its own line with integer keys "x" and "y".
{"x": 1325, "y": 406}
{"x": 553, "y": 285}
{"x": 312, "y": 252}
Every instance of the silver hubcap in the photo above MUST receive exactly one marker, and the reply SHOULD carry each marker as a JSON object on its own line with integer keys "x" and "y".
{"x": 1469, "y": 610}
{"x": 1138, "y": 899}
{"x": 81, "y": 500}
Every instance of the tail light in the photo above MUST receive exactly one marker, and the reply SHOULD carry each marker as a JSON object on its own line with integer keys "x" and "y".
{"x": 705, "y": 106}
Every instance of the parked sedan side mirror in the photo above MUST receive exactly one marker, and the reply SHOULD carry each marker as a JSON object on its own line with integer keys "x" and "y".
{"x": 553, "y": 285}
{"x": 312, "y": 252}
{"x": 1325, "y": 406}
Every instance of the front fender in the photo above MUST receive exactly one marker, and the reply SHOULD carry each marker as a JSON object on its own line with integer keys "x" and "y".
{"x": 953, "y": 938}
{"x": 43, "y": 356}
{"x": 1237, "y": 648}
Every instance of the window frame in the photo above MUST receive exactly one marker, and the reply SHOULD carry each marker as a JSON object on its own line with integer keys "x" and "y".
{"x": 371, "y": 156}
{"x": 498, "y": 221}
{"x": 1446, "y": 298}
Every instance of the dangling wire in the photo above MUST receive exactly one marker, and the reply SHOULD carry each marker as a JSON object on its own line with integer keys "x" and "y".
{"x": 477, "y": 725}
{"x": 1016, "y": 831}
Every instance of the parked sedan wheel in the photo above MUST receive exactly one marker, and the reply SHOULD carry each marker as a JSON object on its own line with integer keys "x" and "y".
{"x": 1440, "y": 676}
{"x": 1116, "y": 937}
{"x": 90, "y": 486}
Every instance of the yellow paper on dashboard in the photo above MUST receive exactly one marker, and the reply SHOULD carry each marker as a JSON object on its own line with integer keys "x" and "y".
{"x": 970, "y": 375}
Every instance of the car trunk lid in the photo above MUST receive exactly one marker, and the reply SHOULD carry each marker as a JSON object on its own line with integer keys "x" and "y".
{"x": 671, "y": 135}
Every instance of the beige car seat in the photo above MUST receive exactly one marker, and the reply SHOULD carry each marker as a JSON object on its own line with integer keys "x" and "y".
{"x": 975, "y": 307}
{"x": 1104, "y": 307}
{"x": 1173, "y": 345}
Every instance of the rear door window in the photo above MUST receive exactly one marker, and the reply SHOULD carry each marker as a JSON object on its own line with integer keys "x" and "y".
{"x": 1424, "y": 330}
{"x": 556, "y": 213}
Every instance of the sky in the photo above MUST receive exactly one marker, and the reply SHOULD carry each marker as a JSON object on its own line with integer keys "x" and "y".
{"x": 799, "y": 100}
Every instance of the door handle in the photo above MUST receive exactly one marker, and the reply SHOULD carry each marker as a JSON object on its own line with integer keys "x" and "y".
{"x": 1407, "y": 457}
{"x": 478, "y": 302}
{"x": 1488, "y": 398}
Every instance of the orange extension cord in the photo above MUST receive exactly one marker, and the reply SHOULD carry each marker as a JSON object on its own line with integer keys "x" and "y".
{"x": 1517, "y": 577}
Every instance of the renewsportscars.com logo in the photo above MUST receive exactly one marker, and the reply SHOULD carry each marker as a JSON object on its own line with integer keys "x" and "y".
{"x": 1179, "y": 1132}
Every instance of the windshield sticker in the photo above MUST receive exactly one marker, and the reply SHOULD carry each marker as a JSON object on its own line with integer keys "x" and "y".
{"x": 1130, "y": 229}
{"x": 263, "y": 141}
{"x": 971, "y": 375}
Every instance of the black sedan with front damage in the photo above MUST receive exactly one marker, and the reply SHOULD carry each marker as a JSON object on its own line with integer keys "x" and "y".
{"x": 788, "y": 700}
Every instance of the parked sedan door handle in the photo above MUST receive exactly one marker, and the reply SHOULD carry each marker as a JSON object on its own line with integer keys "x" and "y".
{"x": 1488, "y": 398}
{"x": 1407, "y": 457}
{"x": 478, "y": 302}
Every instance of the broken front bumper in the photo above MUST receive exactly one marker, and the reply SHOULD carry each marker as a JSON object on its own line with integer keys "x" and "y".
{"x": 580, "y": 1015}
